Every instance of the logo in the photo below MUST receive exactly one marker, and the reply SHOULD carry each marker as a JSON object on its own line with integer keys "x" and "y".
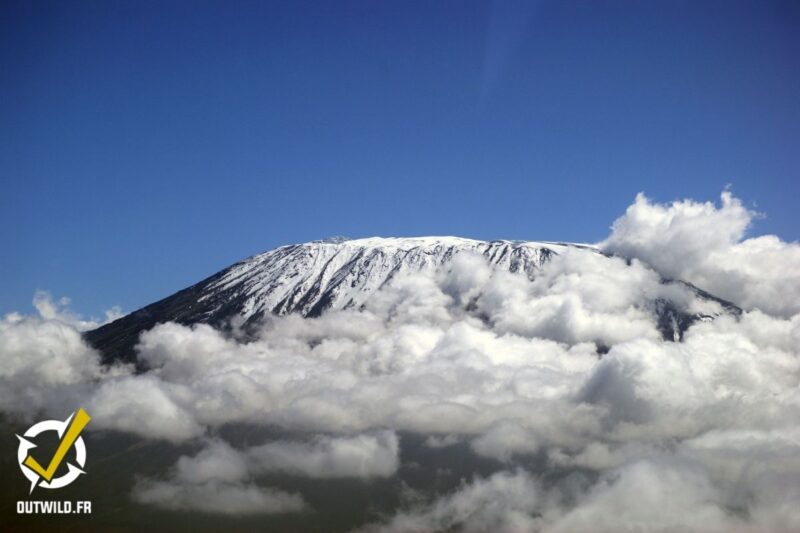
{"x": 69, "y": 432}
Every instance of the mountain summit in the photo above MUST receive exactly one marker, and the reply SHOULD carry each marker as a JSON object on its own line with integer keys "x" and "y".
{"x": 333, "y": 274}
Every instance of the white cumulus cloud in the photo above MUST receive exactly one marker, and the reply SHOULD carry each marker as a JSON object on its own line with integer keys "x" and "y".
{"x": 704, "y": 244}
{"x": 216, "y": 480}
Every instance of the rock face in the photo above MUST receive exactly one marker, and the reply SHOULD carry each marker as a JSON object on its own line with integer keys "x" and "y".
{"x": 337, "y": 273}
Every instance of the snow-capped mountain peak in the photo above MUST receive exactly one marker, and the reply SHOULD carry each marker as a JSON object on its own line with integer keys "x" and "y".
{"x": 310, "y": 278}
{"x": 314, "y": 277}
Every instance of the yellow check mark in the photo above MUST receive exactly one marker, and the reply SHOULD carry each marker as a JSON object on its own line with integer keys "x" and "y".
{"x": 79, "y": 422}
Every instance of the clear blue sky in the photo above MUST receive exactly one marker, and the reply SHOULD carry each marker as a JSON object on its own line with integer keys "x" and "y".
{"x": 145, "y": 145}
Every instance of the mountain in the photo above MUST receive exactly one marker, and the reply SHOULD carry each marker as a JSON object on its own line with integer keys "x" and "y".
{"x": 338, "y": 273}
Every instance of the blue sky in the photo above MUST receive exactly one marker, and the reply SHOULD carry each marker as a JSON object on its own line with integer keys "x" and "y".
{"x": 146, "y": 145}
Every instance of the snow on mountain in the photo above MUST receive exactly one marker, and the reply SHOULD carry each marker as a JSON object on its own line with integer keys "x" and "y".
{"x": 310, "y": 278}
{"x": 323, "y": 275}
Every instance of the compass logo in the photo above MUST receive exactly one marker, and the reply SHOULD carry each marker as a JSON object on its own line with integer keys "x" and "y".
{"x": 69, "y": 431}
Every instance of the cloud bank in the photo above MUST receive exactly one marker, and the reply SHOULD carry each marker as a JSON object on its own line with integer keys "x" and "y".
{"x": 706, "y": 245}
{"x": 362, "y": 456}
{"x": 564, "y": 382}
{"x": 216, "y": 480}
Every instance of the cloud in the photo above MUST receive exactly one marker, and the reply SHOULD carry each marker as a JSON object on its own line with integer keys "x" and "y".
{"x": 216, "y": 497}
{"x": 505, "y": 439}
{"x": 658, "y": 494}
{"x": 582, "y": 296}
{"x": 759, "y": 467}
{"x": 143, "y": 405}
{"x": 364, "y": 456}
{"x": 43, "y": 363}
{"x": 221, "y": 479}
{"x": 504, "y": 502}
{"x": 58, "y": 310}
{"x": 216, "y": 480}
{"x": 650, "y": 495}
{"x": 706, "y": 245}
